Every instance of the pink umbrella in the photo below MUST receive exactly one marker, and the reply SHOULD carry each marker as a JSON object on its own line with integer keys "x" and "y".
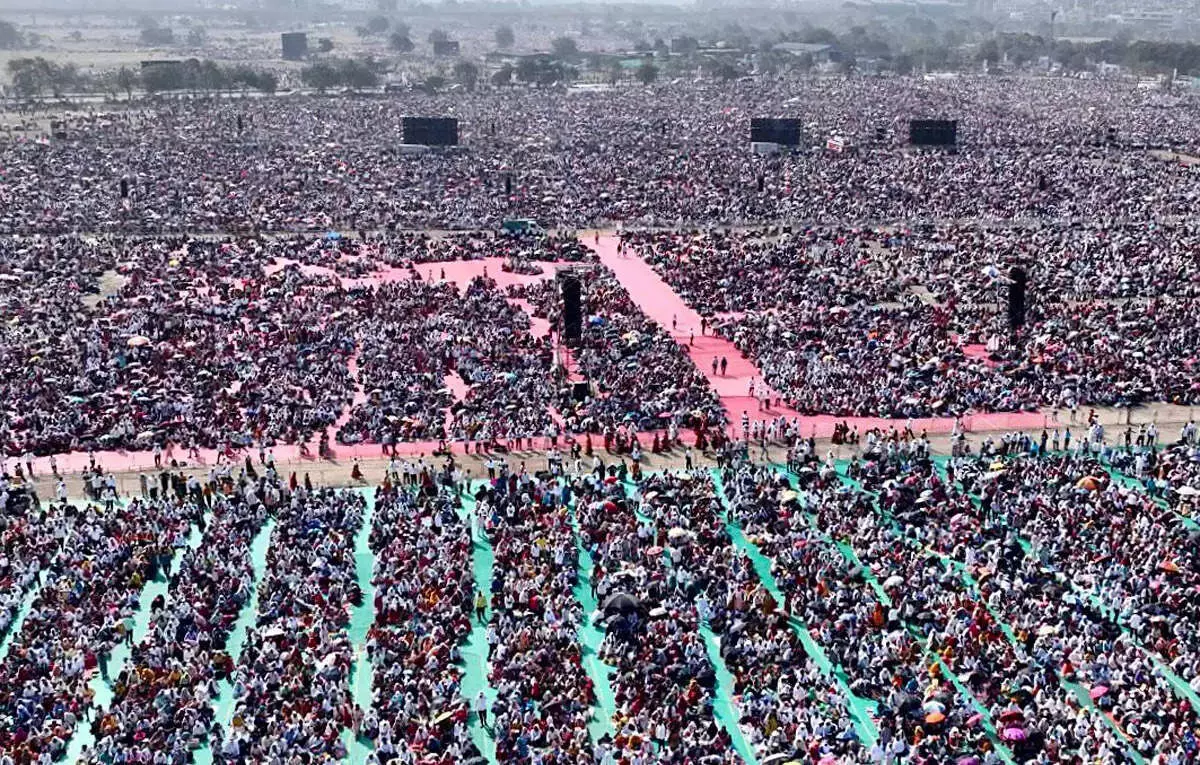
{"x": 1098, "y": 691}
{"x": 1013, "y": 734}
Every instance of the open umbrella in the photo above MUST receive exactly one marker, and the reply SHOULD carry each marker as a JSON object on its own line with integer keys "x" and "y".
{"x": 137, "y": 341}
{"x": 622, "y": 603}
{"x": 1098, "y": 691}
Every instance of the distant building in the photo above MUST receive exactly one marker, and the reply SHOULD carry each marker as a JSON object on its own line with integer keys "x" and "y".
{"x": 821, "y": 53}
{"x": 294, "y": 45}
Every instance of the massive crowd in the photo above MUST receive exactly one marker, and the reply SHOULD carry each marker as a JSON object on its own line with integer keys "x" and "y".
{"x": 1015, "y": 603}
{"x": 913, "y": 322}
{"x": 659, "y": 156}
{"x": 228, "y": 343}
{"x": 895, "y": 607}
{"x": 637, "y": 373}
{"x": 423, "y": 600}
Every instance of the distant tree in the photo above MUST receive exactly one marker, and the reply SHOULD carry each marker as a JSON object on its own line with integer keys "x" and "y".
{"x": 31, "y": 77}
{"x": 126, "y": 81}
{"x": 564, "y": 47}
{"x": 321, "y": 76}
{"x": 686, "y": 45}
{"x": 989, "y": 50}
{"x": 726, "y": 71}
{"x": 819, "y": 36}
{"x": 527, "y": 69}
{"x": 503, "y": 76}
{"x": 247, "y": 78}
{"x": 377, "y": 25}
{"x": 9, "y": 36}
{"x": 386, "y": 6}
{"x": 157, "y": 36}
{"x": 400, "y": 43}
{"x": 354, "y": 73}
{"x": 505, "y": 37}
{"x": 192, "y": 75}
{"x": 213, "y": 78}
{"x": 544, "y": 72}
{"x": 324, "y": 45}
{"x": 466, "y": 74}
{"x": 156, "y": 79}
{"x": 660, "y": 47}
{"x": 197, "y": 37}
{"x": 268, "y": 82}
{"x": 903, "y": 63}
{"x": 438, "y": 36}
{"x": 76, "y": 36}
{"x": 433, "y": 83}
{"x": 647, "y": 73}
{"x": 616, "y": 73}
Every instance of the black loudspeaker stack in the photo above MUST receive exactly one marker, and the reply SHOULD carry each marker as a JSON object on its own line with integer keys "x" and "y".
{"x": 572, "y": 309}
{"x": 124, "y": 189}
{"x": 1016, "y": 298}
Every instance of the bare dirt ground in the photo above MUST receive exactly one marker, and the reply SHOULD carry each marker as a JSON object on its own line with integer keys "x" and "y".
{"x": 1167, "y": 418}
{"x": 1170, "y": 156}
{"x": 110, "y": 284}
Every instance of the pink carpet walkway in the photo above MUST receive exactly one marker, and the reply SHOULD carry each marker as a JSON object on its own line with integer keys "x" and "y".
{"x": 647, "y": 289}
{"x": 660, "y": 302}
{"x": 656, "y": 298}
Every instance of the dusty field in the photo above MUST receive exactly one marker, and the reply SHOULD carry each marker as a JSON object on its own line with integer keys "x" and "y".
{"x": 1168, "y": 419}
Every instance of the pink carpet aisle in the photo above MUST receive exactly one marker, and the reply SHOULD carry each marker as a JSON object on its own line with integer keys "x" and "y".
{"x": 647, "y": 289}
{"x": 662, "y": 304}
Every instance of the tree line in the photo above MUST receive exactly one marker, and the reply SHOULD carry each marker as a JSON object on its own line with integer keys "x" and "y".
{"x": 36, "y": 77}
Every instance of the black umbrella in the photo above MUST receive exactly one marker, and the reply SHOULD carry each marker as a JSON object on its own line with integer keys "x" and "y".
{"x": 622, "y": 603}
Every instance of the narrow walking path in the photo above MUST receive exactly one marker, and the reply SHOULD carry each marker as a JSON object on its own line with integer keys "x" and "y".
{"x": 861, "y": 710}
{"x": 724, "y": 707}
{"x": 590, "y": 638}
{"x": 22, "y": 613}
{"x": 223, "y": 702}
{"x": 971, "y": 586}
{"x": 111, "y": 666}
{"x": 362, "y": 618}
{"x": 475, "y": 653}
{"x": 1092, "y": 594}
{"x": 661, "y": 303}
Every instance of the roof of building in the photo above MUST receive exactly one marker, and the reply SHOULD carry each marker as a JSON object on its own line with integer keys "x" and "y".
{"x": 799, "y": 48}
